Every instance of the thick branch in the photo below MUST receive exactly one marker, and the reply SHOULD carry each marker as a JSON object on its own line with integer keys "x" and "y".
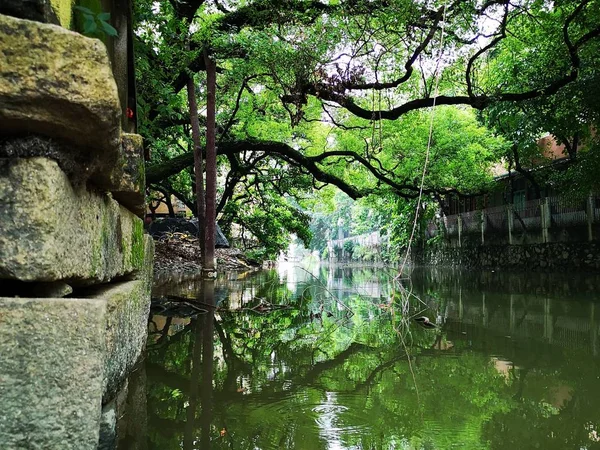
{"x": 158, "y": 172}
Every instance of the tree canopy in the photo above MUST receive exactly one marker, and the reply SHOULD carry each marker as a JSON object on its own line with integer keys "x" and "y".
{"x": 313, "y": 93}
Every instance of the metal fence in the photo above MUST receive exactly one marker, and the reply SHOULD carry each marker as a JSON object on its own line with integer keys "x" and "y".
{"x": 542, "y": 214}
{"x": 528, "y": 215}
{"x": 496, "y": 219}
{"x": 566, "y": 212}
{"x": 471, "y": 222}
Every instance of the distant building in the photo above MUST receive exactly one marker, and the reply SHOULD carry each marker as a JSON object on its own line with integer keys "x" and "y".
{"x": 167, "y": 207}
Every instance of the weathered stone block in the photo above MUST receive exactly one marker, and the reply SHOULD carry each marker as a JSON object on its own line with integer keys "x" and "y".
{"x": 128, "y": 183}
{"x": 57, "y": 83}
{"x": 128, "y": 306}
{"x": 52, "y": 354}
{"x": 51, "y": 230}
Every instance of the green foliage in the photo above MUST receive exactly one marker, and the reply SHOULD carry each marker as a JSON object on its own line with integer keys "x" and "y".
{"x": 349, "y": 248}
{"x": 279, "y": 375}
{"x": 292, "y": 74}
{"x": 95, "y": 24}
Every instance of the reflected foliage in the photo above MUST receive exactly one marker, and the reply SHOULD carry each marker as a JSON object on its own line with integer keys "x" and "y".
{"x": 319, "y": 360}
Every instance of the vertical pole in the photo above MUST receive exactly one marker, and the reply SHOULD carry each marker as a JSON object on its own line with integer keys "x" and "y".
{"x": 198, "y": 165}
{"x": 460, "y": 303}
{"x": 211, "y": 166}
{"x": 484, "y": 310}
{"x": 459, "y": 222}
{"x": 509, "y": 216}
{"x": 512, "y": 315}
{"x": 542, "y": 218}
{"x": 589, "y": 211}
{"x": 546, "y": 219}
{"x": 483, "y": 223}
{"x": 548, "y": 323}
{"x": 593, "y": 329}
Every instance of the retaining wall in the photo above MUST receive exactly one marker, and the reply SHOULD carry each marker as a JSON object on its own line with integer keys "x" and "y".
{"x": 568, "y": 256}
{"x": 75, "y": 265}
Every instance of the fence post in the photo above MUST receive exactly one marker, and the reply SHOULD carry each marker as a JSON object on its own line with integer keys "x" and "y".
{"x": 546, "y": 219}
{"x": 482, "y": 219}
{"x": 589, "y": 212}
{"x": 509, "y": 212}
{"x": 459, "y": 223}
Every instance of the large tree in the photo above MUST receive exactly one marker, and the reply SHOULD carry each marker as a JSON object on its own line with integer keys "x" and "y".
{"x": 323, "y": 92}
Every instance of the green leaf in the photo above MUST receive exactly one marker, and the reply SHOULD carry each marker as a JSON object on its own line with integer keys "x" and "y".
{"x": 108, "y": 29}
{"x": 84, "y": 10}
{"x": 104, "y": 16}
{"x": 89, "y": 26}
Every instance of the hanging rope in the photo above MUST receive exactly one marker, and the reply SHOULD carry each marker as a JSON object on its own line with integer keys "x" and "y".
{"x": 437, "y": 76}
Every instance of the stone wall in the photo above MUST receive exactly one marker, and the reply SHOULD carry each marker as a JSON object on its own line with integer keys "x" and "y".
{"x": 75, "y": 265}
{"x": 565, "y": 256}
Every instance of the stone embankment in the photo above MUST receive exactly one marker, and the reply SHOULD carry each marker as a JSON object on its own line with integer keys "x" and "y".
{"x": 75, "y": 264}
{"x": 563, "y": 256}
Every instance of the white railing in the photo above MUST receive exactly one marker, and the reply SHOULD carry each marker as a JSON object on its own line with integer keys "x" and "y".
{"x": 365, "y": 240}
{"x": 541, "y": 215}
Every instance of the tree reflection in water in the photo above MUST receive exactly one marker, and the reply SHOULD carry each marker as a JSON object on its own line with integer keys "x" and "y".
{"x": 301, "y": 364}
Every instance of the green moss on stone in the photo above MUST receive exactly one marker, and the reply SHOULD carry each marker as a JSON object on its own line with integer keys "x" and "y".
{"x": 137, "y": 244}
{"x": 64, "y": 11}
{"x": 140, "y": 179}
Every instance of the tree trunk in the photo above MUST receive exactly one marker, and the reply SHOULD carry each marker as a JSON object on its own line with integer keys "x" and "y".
{"x": 198, "y": 165}
{"x": 211, "y": 162}
{"x": 525, "y": 173}
{"x": 169, "y": 205}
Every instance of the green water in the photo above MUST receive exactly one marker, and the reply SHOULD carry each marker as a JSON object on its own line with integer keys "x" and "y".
{"x": 332, "y": 359}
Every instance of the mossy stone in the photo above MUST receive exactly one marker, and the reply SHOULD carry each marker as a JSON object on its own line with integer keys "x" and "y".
{"x": 59, "y": 84}
{"x": 51, "y": 373}
{"x": 51, "y": 230}
{"x": 128, "y": 182}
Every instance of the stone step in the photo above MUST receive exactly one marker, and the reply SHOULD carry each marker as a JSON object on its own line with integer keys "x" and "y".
{"x": 51, "y": 230}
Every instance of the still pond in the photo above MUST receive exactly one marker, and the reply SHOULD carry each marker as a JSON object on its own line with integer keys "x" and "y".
{"x": 332, "y": 358}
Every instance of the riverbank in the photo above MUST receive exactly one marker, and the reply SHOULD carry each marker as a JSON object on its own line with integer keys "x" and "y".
{"x": 181, "y": 253}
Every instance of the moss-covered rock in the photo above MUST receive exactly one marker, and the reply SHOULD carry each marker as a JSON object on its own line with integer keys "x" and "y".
{"x": 57, "y": 83}
{"x": 63, "y": 358}
{"x": 128, "y": 183}
{"x": 64, "y": 11}
{"x": 51, "y": 372}
{"x": 127, "y": 306}
{"x": 51, "y": 230}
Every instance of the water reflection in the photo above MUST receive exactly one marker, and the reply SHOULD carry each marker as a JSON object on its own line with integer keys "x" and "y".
{"x": 317, "y": 359}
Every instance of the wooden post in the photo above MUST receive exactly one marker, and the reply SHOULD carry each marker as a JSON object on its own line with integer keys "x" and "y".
{"x": 509, "y": 216}
{"x": 542, "y": 218}
{"x": 198, "y": 165}
{"x": 210, "y": 218}
{"x": 459, "y": 223}
{"x": 589, "y": 212}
